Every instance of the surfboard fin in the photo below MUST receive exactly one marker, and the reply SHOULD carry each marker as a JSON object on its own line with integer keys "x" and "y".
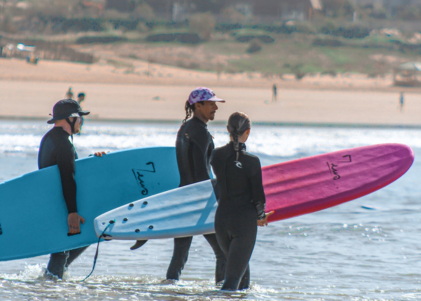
{"x": 138, "y": 244}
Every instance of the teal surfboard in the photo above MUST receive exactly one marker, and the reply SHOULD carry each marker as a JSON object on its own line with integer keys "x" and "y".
{"x": 33, "y": 214}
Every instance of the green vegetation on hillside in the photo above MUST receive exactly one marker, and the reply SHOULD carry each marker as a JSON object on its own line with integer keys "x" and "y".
{"x": 340, "y": 38}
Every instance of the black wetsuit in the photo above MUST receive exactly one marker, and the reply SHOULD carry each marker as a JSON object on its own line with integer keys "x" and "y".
{"x": 194, "y": 147}
{"x": 241, "y": 203}
{"x": 56, "y": 149}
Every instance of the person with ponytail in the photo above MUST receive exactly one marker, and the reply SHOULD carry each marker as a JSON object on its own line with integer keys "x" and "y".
{"x": 194, "y": 146}
{"x": 241, "y": 202}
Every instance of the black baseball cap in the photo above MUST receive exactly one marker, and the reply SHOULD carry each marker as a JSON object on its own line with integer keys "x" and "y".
{"x": 66, "y": 108}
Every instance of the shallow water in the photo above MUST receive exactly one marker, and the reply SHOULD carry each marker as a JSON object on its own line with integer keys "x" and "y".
{"x": 343, "y": 253}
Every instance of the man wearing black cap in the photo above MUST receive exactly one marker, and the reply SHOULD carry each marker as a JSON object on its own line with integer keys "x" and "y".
{"x": 57, "y": 149}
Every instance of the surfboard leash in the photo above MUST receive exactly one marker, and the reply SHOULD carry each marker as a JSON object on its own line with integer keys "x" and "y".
{"x": 97, "y": 248}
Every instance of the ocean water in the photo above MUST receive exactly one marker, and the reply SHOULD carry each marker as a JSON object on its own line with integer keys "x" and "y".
{"x": 342, "y": 253}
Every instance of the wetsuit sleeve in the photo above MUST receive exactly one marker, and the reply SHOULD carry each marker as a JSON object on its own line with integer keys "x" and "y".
{"x": 182, "y": 147}
{"x": 66, "y": 166}
{"x": 258, "y": 194}
{"x": 199, "y": 169}
{"x": 216, "y": 185}
{"x": 211, "y": 160}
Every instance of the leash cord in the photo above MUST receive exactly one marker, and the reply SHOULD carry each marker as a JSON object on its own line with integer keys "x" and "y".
{"x": 97, "y": 249}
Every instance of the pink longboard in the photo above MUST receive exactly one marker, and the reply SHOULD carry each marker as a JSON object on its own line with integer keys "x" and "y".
{"x": 314, "y": 183}
{"x": 292, "y": 188}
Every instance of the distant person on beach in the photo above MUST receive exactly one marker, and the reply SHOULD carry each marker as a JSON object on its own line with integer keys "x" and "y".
{"x": 194, "y": 146}
{"x": 57, "y": 149}
{"x": 401, "y": 102}
{"x": 274, "y": 92}
{"x": 241, "y": 202}
{"x": 80, "y": 98}
{"x": 69, "y": 94}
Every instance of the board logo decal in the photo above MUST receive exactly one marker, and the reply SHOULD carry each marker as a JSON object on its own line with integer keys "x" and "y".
{"x": 349, "y": 157}
{"x": 139, "y": 176}
{"x": 333, "y": 171}
{"x": 333, "y": 168}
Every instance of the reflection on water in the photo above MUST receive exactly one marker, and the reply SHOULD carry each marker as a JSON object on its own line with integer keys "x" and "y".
{"x": 343, "y": 253}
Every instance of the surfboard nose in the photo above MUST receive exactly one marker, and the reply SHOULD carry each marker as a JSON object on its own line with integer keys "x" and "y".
{"x": 406, "y": 155}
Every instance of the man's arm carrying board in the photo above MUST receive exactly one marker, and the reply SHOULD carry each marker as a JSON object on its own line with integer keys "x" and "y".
{"x": 33, "y": 214}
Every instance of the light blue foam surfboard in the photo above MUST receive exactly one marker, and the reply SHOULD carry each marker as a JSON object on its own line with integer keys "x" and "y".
{"x": 184, "y": 211}
{"x": 33, "y": 214}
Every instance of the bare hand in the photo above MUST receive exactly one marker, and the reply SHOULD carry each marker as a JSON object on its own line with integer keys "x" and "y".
{"x": 264, "y": 222}
{"x": 73, "y": 221}
{"x": 99, "y": 154}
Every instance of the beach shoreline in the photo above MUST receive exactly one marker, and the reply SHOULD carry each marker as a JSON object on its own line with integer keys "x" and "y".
{"x": 220, "y": 122}
{"x": 30, "y": 91}
{"x": 144, "y": 73}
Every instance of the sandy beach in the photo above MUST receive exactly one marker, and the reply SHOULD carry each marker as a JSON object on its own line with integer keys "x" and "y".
{"x": 114, "y": 93}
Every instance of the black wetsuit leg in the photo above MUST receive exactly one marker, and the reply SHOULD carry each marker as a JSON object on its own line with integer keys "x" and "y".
{"x": 245, "y": 281}
{"x": 236, "y": 234}
{"x": 220, "y": 257}
{"x": 179, "y": 257}
{"x": 73, "y": 254}
{"x": 59, "y": 262}
{"x": 56, "y": 265}
{"x": 181, "y": 253}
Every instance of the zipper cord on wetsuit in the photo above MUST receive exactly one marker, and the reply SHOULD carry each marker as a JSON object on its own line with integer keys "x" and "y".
{"x": 97, "y": 248}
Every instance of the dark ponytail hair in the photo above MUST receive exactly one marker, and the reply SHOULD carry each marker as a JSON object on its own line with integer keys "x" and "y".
{"x": 238, "y": 123}
{"x": 190, "y": 109}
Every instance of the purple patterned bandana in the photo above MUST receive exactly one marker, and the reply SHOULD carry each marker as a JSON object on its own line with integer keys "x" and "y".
{"x": 203, "y": 94}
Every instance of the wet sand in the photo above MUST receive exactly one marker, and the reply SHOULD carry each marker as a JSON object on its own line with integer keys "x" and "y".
{"x": 27, "y": 92}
